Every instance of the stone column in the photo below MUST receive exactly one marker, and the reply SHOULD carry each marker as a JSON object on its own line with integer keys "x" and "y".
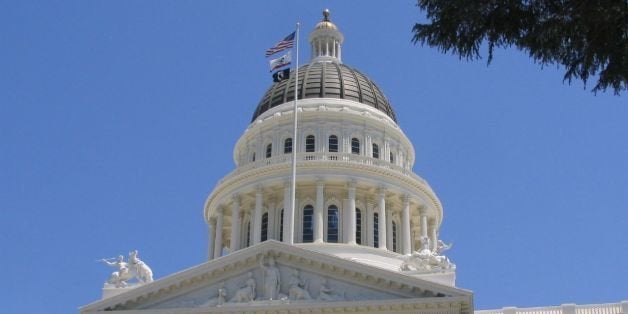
{"x": 431, "y": 225}
{"x": 236, "y": 224}
{"x": 423, "y": 217}
{"x": 405, "y": 221}
{"x": 211, "y": 229}
{"x": 218, "y": 238}
{"x": 382, "y": 219}
{"x": 351, "y": 226}
{"x": 288, "y": 219}
{"x": 318, "y": 212}
{"x": 257, "y": 217}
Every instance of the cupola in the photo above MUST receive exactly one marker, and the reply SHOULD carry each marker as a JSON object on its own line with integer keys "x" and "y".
{"x": 326, "y": 41}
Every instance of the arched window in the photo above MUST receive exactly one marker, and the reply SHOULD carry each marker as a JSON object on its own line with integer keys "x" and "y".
{"x": 333, "y": 144}
{"x": 392, "y": 158}
{"x": 281, "y": 226}
{"x": 355, "y": 146}
{"x": 287, "y": 146}
{"x": 376, "y": 230}
{"x": 308, "y": 227}
{"x": 310, "y": 143}
{"x": 332, "y": 224}
{"x": 375, "y": 151}
{"x": 264, "y": 236}
{"x": 394, "y": 235}
{"x": 358, "y": 226}
{"x": 248, "y": 234}
{"x": 253, "y": 157}
{"x": 269, "y": 150}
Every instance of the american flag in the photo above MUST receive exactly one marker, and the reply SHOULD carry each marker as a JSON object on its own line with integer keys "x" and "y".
{"x": 284, "y": 44}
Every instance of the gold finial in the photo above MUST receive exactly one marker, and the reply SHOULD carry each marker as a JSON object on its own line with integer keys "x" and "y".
{"x": 326, "y": 15}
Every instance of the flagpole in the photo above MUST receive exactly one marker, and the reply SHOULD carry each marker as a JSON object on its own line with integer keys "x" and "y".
{"x": 290, "y": 235}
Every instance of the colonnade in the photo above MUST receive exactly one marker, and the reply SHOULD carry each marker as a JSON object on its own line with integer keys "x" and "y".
{"x": 410, "y": 219}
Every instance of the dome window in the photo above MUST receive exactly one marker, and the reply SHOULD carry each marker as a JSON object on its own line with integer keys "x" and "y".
{"x": 358, "y": 226}
{"x": 269, "y": 150}
{"x": 264, "y": 235}
{"x": 287, "y": 146}
{"x": 394, "y": 236}
{"x": 253, "y": 157}
{"x": 392, "y": 158}
{"x": 375, "y": 151}
{"x": 308, "y": 227}
{"x": 375, "y": 230}
{"x": 333, "y": 144}
{"x": 355, "y": 146}
{"x": 332, "y": 224}
{"x": 310, "y": 144}
{"x": 281, "y": 226}
{"x": 248, "y": 234}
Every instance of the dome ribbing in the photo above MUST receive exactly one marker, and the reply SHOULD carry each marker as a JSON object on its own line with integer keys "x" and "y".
{"x": 326, "y": 80}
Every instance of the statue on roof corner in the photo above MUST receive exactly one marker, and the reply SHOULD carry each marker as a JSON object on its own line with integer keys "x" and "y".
{"x": 134, "y": 268}
{"x": 426, "y": 259}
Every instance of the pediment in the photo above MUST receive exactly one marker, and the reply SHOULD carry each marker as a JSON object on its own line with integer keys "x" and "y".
{"x": 274, "y": 275}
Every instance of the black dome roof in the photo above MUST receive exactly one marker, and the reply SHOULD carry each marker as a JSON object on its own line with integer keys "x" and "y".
{"x": 326, "y": 80}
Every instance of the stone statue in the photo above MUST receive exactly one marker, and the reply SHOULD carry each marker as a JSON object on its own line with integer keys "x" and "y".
{"x": 426, "y": 259}
{"x": 220, "y": 298}
{"x": 296, "y": 290}
{"x": 442, "y": 247}
{"x": 325, "y": 293}
{"x": 119, "y": 278}
{"x": 222, "y": 295}
{"x": 134, "y": 268}
{"x": 247, "y": 292}
{"x": 272, "y": 279}
{"x": 143, "y": 272}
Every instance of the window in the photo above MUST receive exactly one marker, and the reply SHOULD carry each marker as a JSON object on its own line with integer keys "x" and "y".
{"x": 376, "y": 230}
{"x": 281, "y": 226}
{"x": 358, "y": 226}
{"x": 332, "y": 224}
{"x": 248, "y": 234}
{"x": 287, "y": 146}
{"x": 308, "y": 228}
{"x": 253, "y": 157}
{"x": 264, "y": 236}
{"x": 394, "y": 235}
{"x": 310, "y": 142}
{"x": 392, "y": 158}
{"x": 333, "y": 144}
{"x": 375, "y": 151}
{"x": 355, "y": 146}
{"x": 269, "y": 150}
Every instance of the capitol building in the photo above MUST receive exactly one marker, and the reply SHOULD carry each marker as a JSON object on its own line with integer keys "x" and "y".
{"x": 357, "y": 231}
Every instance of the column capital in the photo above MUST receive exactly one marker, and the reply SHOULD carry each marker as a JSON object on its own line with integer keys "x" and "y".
{"x": 258, "y": 188}
{"x": 320, "y": 182}
{"x": 235, "y": 198}
{"x": 422, "y": 210}
{"x": 220, "y": 210}
{"x": 381, "y": 191}
{"x": 352, "y": 184}
{"x": 406, "y": 199}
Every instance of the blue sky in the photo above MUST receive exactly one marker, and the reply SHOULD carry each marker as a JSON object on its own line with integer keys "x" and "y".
{"x": 117, "y": 118}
